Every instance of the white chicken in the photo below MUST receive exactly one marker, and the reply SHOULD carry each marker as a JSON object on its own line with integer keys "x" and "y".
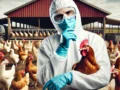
{"x": 6, "y": 47}
{"x": 21, "y": 43}
{"x": 21, "y": 34}
{"x": 17, "y": 34}
{"x": 113, "y": 56}
{"x": 1, "y": 45}
{"x": 14, "y": 56}
{"x": 27, "y": 80}
{"x": 6, "y": 76}
{"x": 25, "y": 34}
{"x": 16, "y": 41}
{"x": 28, "y": 46}
{"x": 9, "y": 42}
{"x": 15, "y": 46}
{"x": 12, "y": 34}
{"x": 35, "y": 51}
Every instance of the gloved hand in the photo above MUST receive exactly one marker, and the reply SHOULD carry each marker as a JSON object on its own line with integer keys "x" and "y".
{"x": 58, "y": 82}
{"x": 67, "y": 27}
{"x": 63, "y": 47}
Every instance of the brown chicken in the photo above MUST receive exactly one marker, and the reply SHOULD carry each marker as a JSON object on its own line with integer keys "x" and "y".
{"x": 110, "y": 47}
{"x": 40, "y": 34}
{"x": 20, "y": 81}
{"x": 31, "y": 69}
{"x": 119, "y": 45}
{"x": 116, "y": 74}
{"x": 87, "y": 64}
{"x": 36, "y": 34}
{"x": 23, "y": 54}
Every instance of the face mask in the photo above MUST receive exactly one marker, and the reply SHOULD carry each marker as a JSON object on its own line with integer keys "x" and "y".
{"x": 68, "y": 23}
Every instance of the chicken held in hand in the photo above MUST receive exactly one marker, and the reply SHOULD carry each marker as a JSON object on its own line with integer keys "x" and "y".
{"x": 87, "y": 64}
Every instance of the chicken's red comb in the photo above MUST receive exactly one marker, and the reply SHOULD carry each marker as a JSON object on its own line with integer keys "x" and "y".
{"x": 110, "y": 40}
{"x": 84, "y": 42}
{"x": 22, "y": 72}
{"x": 119, "y": 42}
{"x": 30, "y": 55}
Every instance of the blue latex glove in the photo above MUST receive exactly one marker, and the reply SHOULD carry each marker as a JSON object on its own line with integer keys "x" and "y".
{"x": 58, "y": 82}
{"x": 67, "y": 27}
{"x": 63, "y": 47}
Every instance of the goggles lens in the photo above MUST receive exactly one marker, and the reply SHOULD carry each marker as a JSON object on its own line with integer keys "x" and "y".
{"x": 58, "y": 18}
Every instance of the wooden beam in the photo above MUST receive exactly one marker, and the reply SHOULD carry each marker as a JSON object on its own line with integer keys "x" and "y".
{"x": 104, "y": 24}
{"x": 112, "y": 28}
{"x": 20, "y": 25}
{"x": 118, "y": 29}
{"x": 109, "y": 28}
{"x": 11, "y": 24}
{"x": 9, "y": 27}
{"x": 39, "y": 23}
{"x": 15, "y": 24}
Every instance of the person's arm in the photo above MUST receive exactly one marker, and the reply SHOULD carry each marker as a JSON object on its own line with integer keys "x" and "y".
{"x": 48, "y": 61}
{"x": 101, "y": 77}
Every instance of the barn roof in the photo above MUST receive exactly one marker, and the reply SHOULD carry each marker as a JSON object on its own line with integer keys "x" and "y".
{"x": 33, "y": 1}
{"x": 111, "y": 21}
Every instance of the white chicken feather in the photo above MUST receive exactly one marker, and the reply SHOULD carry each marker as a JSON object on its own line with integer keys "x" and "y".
{"x": 14, "y": 56}
{"x": 6, "y": 76}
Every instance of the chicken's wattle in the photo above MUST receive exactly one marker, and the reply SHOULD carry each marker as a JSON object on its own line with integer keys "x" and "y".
{"x": 84, "y": 52}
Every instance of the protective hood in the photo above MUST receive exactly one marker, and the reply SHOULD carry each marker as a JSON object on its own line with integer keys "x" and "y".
{"x": 58, "y": 4}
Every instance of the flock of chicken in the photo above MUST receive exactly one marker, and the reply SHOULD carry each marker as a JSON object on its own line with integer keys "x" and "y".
{"x": 32, "y": 34}
{"x": 23, "y": 53}
{"x": 114, "y": 55}
{"x": 20, "y": 55}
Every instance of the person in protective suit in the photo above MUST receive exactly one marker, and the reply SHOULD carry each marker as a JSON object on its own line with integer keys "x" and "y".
{"x": 59, "y": 52}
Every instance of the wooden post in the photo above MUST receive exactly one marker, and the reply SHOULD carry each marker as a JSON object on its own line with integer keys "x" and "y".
{"x": 15, "y": 24}
{"x": 112, "y": 28}
{"x": 90, "y": 26}
{"x": 20, "y": 25}
{"x": 109, "y": 28}
{"x": 118, "y": 29}
{"x": 39, "y": 23}
{"x": 9, "y": 27}
{"x": 25, "y": 25}
{"x": 93, "y": 27}
{"x": 11, "y": 24}
{"x": 104, "y": 24}
{"x": 28, "y": 26}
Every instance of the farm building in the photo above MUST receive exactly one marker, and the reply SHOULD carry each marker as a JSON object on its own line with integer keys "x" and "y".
{"x": 32, "y": 17}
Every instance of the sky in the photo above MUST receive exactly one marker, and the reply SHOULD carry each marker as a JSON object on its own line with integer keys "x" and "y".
{"x": 112, "y": 6}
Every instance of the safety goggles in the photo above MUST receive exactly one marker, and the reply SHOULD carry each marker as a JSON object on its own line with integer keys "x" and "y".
{"x": 59, "y": 18}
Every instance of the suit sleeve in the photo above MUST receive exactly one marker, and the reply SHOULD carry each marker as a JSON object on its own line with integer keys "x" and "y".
{"x": 48, "y": 63}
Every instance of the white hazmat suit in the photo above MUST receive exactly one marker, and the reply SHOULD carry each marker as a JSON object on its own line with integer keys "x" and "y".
{"x": 50, "y": 64}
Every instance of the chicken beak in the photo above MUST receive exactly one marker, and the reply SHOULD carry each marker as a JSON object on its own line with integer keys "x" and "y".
{"x": 85, "y": 48}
